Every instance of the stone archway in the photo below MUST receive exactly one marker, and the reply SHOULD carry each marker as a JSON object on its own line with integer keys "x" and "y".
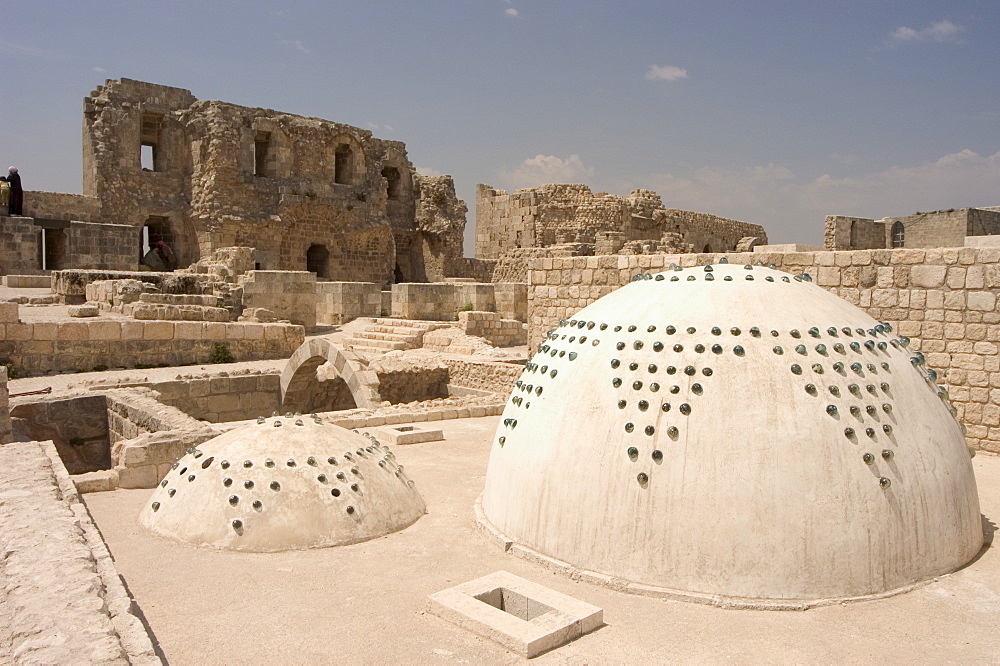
{"x": 300, "y": 373}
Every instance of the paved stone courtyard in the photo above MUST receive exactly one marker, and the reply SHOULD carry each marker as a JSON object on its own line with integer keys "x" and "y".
{"x": 367, "y": 602}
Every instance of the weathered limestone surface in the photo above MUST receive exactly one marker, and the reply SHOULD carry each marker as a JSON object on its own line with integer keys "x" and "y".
{"x": 289, "y": 295}
{"x": 5, "y": 433}
{"x": 501, "y": 332}
{"x": 52, "y": 604}
{"x": 945, "y": 299}
{"x": 556, "y": 215}
{"x": 942, "y": 228}
{"x": 38, "y": 347}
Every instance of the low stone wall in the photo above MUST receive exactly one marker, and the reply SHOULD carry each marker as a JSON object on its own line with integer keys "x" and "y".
{"x": 410, "y": 380}
{"x": 489, "y": 325}
{"x": 28, "y": 281}
{"x": 480, "y": 270}
{"x": 20, "y": 245}
{"x": 76, "y": 424}
{"x": 62, "y": 599}
{"x": 441, "y": 301}
{"x": 71, "y": 285}
{"x": 219, "y": 399}
{"x": 147, "y": 436}
{"x": 35, "y": 348}
{"x": 289, "y": 295}
{"x": 945, "y": 299}
{"x": 341, "y": 302}
{"x": 62, "y": 206}
{"x": 494, "y": 376}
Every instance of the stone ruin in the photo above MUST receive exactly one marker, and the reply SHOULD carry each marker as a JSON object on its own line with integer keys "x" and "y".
{"x": 307, "y": 194}
{"x": 570, "y": 220}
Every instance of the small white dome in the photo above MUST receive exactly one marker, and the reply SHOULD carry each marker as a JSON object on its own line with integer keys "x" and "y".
{"x": 733, "y": 433}
{"x": 284, "y": 483}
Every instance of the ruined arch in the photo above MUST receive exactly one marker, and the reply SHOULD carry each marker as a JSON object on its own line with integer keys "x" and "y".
{"x": 300, "y": 374}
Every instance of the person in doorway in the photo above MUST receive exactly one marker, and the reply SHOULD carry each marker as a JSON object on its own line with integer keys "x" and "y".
{"x": 16, "y": 204}
{"x": 168, "y": 255}
{"x": 4, "y": 193}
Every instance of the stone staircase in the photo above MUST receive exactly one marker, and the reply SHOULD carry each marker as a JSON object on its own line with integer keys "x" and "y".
{"x": 384, "y": 335}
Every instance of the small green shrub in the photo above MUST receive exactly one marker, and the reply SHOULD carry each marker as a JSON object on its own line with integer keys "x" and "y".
{"x": 144, "y": 366}
{"x": 100, "y": 368}
{"x": 383, "y": 313}
{"x": 77, "y": 441}
{"x": 221, "y": 354}
{"x": 311, "y": 194}
{"x": 361, "y": 196}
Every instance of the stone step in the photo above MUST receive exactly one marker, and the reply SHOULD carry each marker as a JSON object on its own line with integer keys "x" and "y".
{"x": 411, "y": 323}
{"x": 383, "y": 345}
{"x": 368, "y": 334}
{"x": 402, "y": 330}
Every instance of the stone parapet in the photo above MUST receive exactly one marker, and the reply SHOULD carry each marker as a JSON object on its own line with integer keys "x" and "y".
{"x": 341, "y": 302}
{"x": 945, "y": 299}
{"x": 38, "y": 347}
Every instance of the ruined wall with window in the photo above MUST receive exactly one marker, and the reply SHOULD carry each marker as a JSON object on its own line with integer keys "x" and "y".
{"x": 559, "y": 215}
{"x": 306, "y": 193}
{"x": 943, "y": 228}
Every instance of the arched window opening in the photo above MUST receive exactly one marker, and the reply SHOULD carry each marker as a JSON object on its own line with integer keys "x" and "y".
{"x": 318, "y": 260}
{"x": 898, "y": 234}
{"x": 391, "y": 175}
{"x": 342, "y": 165}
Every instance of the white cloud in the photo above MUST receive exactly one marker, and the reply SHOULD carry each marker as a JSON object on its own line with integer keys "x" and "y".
{"x": 100, "y": 70}
{"x": 375, "y": 127}
{"x": 429, "y": 172}
{"x": 792, "y": 207}
{"x": 296, "y": 44}
{"x": 542, "y": 169}
{"x": 510, "y": 11}
{"x": 938, "y": 31}
{"x": 665, "y": 73}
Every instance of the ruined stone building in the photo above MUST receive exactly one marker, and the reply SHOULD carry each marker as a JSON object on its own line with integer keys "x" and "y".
{"x": 943, "y": 228}
{"x": 554, "y": 215}
{"x": 307, "y": 193}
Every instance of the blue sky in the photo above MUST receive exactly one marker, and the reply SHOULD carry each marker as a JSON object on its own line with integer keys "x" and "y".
{"x": 777, "y": 113}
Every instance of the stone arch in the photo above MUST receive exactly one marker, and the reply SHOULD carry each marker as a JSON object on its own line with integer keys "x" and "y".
{"x": 300, "y": 373}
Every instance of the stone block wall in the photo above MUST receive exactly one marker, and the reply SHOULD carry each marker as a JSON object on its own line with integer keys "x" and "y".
{"x": 942, "y": 228}
{"x": 493, "y": 376}
{"x": 5, "y": 433}
{"x": 219, "y": 399}
{"x": 480, "y": 270}
{"x": 77, "y": 425}
{"x": 20, "y": 246}
{"x": 442, "y": 301}
{"x": 289, "y": 295}
{"x": 71, "y": 285}
{"x": 38, "y": 347}
{"x": 341, "y": 302}
{"x": 61, "y": 206}
{"x": 945, "y": 299}
{"x": 489, "y": 325}
{"x": 101, "y": 246}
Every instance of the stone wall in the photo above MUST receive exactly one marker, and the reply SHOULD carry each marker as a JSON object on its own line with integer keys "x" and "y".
{"x": 61, "y": 206}
{"x": 77, "y": 425}
{"x": 489, "y": 325}
{"x": 38, "y": 347}
{"x": 341, "y": 302}
{"x": 67, "y": 245}
{"x": 71, "y": 285}
{"x": 219, "y": 399}
{"x": 288, "y": 295}
{"x": 553, "y": 215}
{"x": 943, "y": 228}
{"x": 944, "y": 299}
{"x": 442, "y": 301}
{"x": 493, "y": 376}
{"x": 4, "y": 407}
{"x": 480, "y": 270}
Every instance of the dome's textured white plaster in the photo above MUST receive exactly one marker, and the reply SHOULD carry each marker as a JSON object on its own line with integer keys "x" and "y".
{"x": 734, "y": 433}
{"x": 283, "y": 483}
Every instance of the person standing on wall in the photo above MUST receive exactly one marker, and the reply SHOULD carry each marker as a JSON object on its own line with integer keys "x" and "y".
{"x": 15, "y": 207}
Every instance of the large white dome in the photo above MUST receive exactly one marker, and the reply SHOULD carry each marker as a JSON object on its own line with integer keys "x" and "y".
{"x": 734, "y": 434}
{"x": 283, "y": 483}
